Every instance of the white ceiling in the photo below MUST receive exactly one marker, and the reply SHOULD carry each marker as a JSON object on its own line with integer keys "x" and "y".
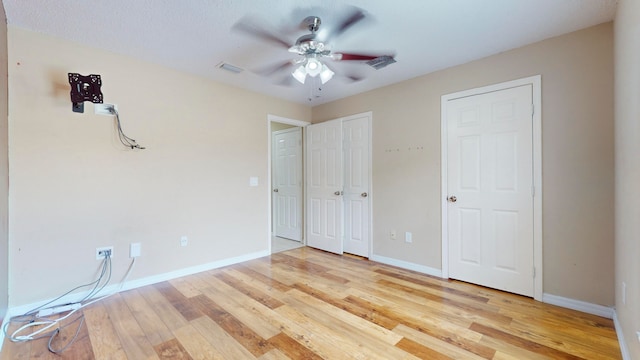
{"x": 195, "y": 35}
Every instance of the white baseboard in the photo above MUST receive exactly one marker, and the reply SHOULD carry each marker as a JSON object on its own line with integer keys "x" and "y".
{"x": 133, "y": 284}
{"x": 579, "y": 305}
{"x": 407, "y": 265}
{"x": 624, "y": 349}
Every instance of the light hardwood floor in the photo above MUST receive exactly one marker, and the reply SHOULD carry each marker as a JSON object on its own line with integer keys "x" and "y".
{"x": 308, "y": 304}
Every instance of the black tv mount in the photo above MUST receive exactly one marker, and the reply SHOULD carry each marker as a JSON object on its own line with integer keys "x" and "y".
{"x": 84, "y": 88}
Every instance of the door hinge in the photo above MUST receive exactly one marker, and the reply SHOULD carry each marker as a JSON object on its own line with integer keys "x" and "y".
{"x": 533, "y": 191}
{"x": 533, "y": 109}
{"x": 534, "y": 272}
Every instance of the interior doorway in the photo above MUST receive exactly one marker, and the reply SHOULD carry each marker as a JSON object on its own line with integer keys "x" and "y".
{"x": 286, "y": 181}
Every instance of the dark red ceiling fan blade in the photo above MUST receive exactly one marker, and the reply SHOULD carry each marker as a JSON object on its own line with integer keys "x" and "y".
{"x": 253, "y": 28}
{"x": 352, "y": 57}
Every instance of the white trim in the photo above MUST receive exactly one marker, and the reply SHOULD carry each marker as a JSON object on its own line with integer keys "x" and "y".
{"x": 302, "y": 124}
{"x": 133, "y": 284}
{"x": 407, "y": 265}
{"x": 536, "y": 82}
{"x": 624, "y": 349}
{"x": 579, "y": 305}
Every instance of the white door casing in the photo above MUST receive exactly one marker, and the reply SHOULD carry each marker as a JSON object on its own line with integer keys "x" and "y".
{"x": 283, "y": 120}
{"x": 491, "y": 164}
{"x": 324, "y": 186}
{"x": 356, "y": 141}
{"x": 287, "y": 183}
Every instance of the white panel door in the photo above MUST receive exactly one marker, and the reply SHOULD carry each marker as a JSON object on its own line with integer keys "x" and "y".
{"x": 287, "y": 183}
{"x": 355, "y": 134}
{"x": 490, "y": 182}
{"x": 324, "y": 186}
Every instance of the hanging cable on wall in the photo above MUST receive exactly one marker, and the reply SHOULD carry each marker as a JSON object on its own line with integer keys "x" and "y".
{"x": 124, "y": 139}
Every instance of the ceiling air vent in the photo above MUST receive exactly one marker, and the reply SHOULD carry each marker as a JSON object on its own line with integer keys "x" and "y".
{"x": 230, "y": 68}
{"x": 381, "y": 61}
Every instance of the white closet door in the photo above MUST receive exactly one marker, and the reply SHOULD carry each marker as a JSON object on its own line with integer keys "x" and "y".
{"x": 287, "y": 183}
{"x": 325, "y": 186}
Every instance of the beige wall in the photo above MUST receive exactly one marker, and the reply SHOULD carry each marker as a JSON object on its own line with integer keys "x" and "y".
{"x": 75, "y": 188}
{"x": 577, "y": 126}
{"x": 627, "y": 199}
{"x": 276, "y": 126}
{"x": 4, "y": 170}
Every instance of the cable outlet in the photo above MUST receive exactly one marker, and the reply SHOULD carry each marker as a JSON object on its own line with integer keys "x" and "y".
{"x": 104, "y": 109}
{"x": 393, "y": 235}
{"x": 102, "y": 252}
{"x": 134, "y": 250}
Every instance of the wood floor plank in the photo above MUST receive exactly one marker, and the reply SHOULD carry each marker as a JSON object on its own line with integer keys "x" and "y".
{"x": 243, "y": 308}
{"x": 161, "y": 306}
{"x": 522, "y": 343}
{"x": 276, "y": 354}
{"x": 221, "y": 340}
{"x": 250, "y": 291}
{"x": 370, "y": 315}
{"x": 460, "y": 337}
{"x": 186, "y": 287}
{"x": 343, "y": 344}
{"x": 156, "y": 331}
{"x": 352, "y": 324}
{"x": 253, "y": 342}
{"x": 196, "y": 345}
{"x": 291, "y": 348}
{"x": 104, "y": 340}
{"x": 133, "y": 339}
{"x": 442, "y": 347}
{"x": 267, "y": 280}
{"x": 172, "y": 349}
{"x": 178, "y": 300}
{"x": 420, "y": 351}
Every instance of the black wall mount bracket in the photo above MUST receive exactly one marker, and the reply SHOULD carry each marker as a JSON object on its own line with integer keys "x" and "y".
{"x": 84, "y": 88}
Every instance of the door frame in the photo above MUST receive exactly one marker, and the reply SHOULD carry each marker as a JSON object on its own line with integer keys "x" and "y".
{"x": 295, "y": 129}
{"x": 274, "y": 118}
{"x": 536, "y": 83}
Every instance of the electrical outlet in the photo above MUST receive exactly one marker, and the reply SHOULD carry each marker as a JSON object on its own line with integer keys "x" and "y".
{"x": 393, "y": 235}
{"x": 184, "y": 241}
{"x": 134, "y": 250}
{"x": 408, "y": 237}
{"x": 638, "y": 334}
{"x": 102, "y": 252}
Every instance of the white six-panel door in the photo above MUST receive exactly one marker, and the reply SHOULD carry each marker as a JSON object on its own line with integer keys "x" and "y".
{"x": 490, "y": 184}
{"x": 324, "y": 186}
{"x": 355, "y": 134}
{"x": 287, "y": 183}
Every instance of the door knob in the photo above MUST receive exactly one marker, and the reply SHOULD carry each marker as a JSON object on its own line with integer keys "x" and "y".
{"x": 338, "y": 193}
{"x": 275, "y": 190}
{"x": 452, "y": 199}
{"x": 364, "y": 194}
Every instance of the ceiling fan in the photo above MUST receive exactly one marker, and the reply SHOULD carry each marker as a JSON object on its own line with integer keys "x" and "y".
{"x": 313, "y": 49}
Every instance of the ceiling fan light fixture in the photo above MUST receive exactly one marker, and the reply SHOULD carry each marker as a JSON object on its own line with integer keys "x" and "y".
{"x": 300, "y": 74}
{"x": 326, "y": 74}
{"x": 313, "y": 67}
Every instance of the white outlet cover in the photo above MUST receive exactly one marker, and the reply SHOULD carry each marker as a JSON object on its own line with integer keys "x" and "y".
{"x": 184, "y": 241}
{"x": 134, "y": 250}
{"x": 101, "y": 109}
{"x": 253, "y": 181}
